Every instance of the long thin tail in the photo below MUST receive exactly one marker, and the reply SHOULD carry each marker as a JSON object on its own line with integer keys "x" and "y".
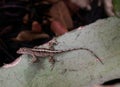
{"x": 82, "y": 48}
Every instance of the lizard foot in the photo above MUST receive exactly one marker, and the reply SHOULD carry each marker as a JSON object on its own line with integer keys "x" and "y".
{"x": 52, "y": 61}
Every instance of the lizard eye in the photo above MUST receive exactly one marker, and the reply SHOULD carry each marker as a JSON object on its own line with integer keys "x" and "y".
{"x": 24, "y": 49}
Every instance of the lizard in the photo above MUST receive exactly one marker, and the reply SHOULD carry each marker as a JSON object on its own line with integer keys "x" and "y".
{"x": 46, "y": 52}
{"x": 49, "y": 52}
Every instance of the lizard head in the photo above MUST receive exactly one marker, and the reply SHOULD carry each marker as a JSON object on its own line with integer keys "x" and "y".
{"x": 23, "y": 50}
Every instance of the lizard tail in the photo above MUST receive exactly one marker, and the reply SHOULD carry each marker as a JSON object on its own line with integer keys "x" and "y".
{"x": 81, "y": 48}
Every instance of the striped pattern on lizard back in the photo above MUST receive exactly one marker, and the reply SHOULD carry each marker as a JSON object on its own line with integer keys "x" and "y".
{"x": 40, "y": 53}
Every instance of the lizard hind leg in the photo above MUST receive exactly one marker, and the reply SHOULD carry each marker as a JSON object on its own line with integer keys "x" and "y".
{"x": 52, "y": 61}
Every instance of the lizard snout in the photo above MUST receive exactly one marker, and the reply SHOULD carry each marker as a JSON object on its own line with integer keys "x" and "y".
{"x": 18, "y": 52}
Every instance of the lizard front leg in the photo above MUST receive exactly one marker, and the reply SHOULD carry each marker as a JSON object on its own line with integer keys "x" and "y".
{"x": 34, "y": 59}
